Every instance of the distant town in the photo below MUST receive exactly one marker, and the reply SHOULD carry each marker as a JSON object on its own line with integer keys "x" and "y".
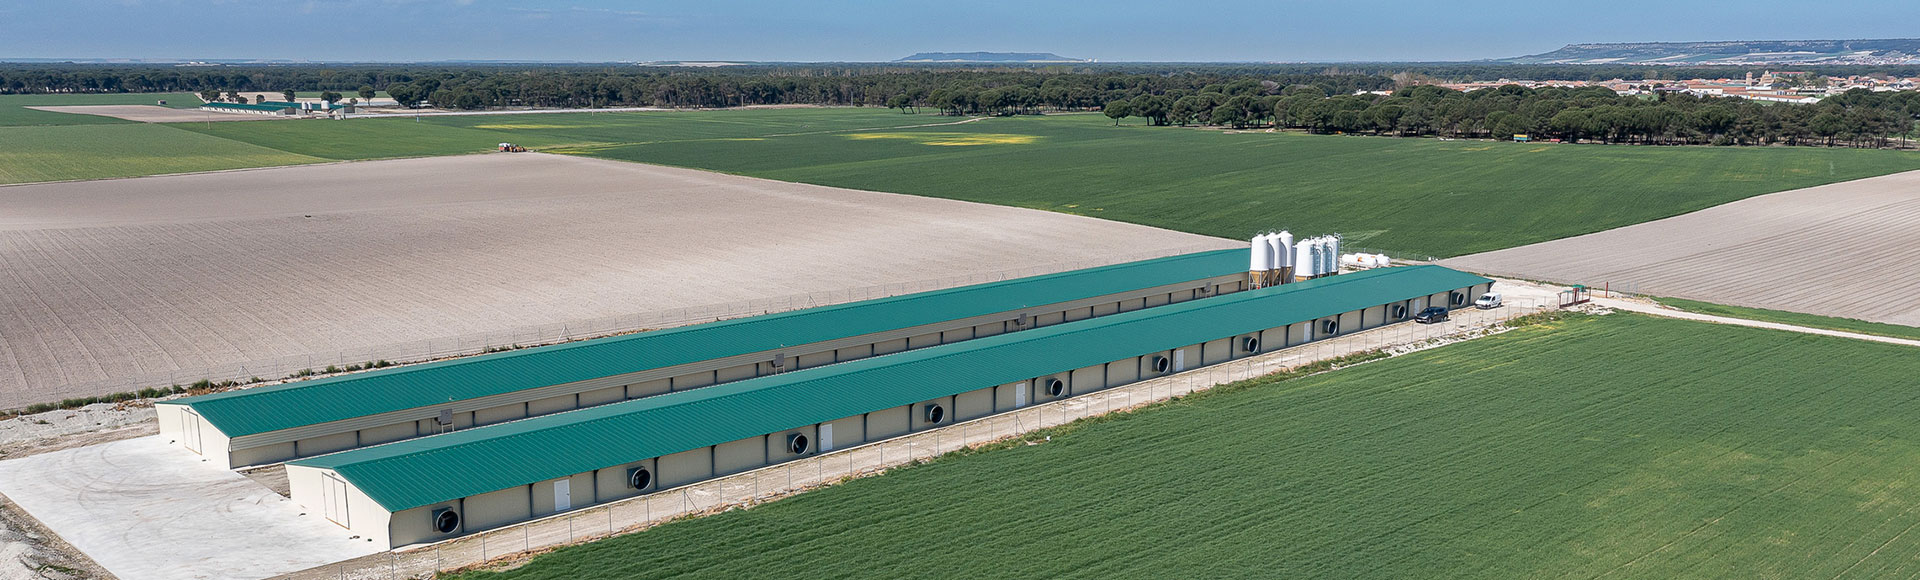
{"x": 1771, "y": 86}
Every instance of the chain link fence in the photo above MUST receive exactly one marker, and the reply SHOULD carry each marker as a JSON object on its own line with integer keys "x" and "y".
{"x": 270, "y": 369}
{"x": 767, "y": 483}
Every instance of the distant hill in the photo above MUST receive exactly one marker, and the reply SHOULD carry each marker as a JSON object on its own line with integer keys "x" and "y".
{"x": 990, "y": 57}
{"x": 1737, "y": 52}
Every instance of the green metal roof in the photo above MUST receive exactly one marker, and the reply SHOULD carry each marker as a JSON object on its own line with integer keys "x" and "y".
{"x": 438, "y": 468}
{"x": 250, "y": 106}
{"x": 273, "y": 408}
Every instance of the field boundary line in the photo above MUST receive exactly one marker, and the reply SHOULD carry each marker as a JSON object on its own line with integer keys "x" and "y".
{"x": 1632, "y": 306}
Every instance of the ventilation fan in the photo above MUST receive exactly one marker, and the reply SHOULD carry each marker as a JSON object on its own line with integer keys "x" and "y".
{"x": 1329, "y": 326}
{"x": 936, "y": 413}
{"x": 1399, "y": 311}
{"x": 1250, "y": 344}
{"x": 1459, "y": 298}
{"x": 798, "y": 444}
{"x": 1056, "y": 387}
{"x": 446, "y": 521}
{"x": 1161, "y": 364}
{"x": 639, "y": 478}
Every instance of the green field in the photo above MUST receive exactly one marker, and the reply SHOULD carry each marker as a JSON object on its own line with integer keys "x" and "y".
{"x": 13, "y": 111}
{"x": 1409, "y": 196}
{"x": 1413, "y": 197}
{"x": 1621, "y": 446}
{"x": 124, "y": 150}
{"x": 1416, "y": 197}
{"x": 1795, "y": 318}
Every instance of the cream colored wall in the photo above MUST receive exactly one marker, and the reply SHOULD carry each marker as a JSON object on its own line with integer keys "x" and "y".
{"x": 956, "y": 335}
{"x": 1087, "y": 380}
{"x": 749, "y": 371}
{"x": 853, "y": 353}
{"x": 692, "y": 381}
{"x": 1132, "y": 305}
{"x": 1106, "y": 309}
{"x": 737, "y": 456}
{"x": 1049, "y": 319}
{"x": 415, "y": 526}
{"x": 649, "y": 388}
{"x": 171, "y": 422}
{"x": 1192, "y": 355}
{"x": 500, "y": 414}
{"x": 684, "y": 467}
{"x": 849, "y": 431}
{"x": 261, "y": 455}
{"x": 986, "y": 330}
{"x": 919, "y": 416}
{"x": 327, "y": 444}
{"x": 973, "y": 404}
{"x": 579, "y": 493}
{"x": 1157, "y": 300}
{"x": 603, "y": 396}
{"x": 1121, "y": 372}
{"x": 370, "y": 520}
{"x": 814, "y": 359}
{"x": 611, "y": 483}
{"x": 776, "y": 451}
{"x": 1297, "y": 333}
{"x": 551, "y": 405}
{"x": 1216, "y": 351}
{"x": 889, "y": 347}
{"x": 1350, "y": 322}
{"x": 1040, "y": 387}
{"x": 1079, "y": 314}
{"x": 1006, "y": 396}
{"x": 889, "y": 422}
{"x": 924, "y": 340}
{"x": 303, "y": 487}
{"x": 1144, "y": 365}
{"x": 390, "y": 433}
{"x": 1373, "y": 317}
{"x": 1239, "y": 344}
{"x": 496, "y": 508}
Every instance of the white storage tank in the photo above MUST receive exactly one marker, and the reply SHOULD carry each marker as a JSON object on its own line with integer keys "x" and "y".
{"x": 1333, "y": 254}
{"x": 1303, "y": 258}
{"x": 1262, "y": 255}
{"x": 1282, "y": 249}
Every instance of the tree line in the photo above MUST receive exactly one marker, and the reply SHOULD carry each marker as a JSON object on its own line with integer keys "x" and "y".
{"x": 1856, "y": 118}
{"x": 1317, "y": 98}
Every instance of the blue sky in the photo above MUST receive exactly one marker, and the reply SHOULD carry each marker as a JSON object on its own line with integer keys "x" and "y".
{"x": 845, "y": 30}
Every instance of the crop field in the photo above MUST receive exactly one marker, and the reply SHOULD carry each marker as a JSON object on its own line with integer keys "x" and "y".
{"x": 405, "y": 137}
{"x": 1844, "y": 249}
{"x": 1620, "y": 446}
{"x": 1416, "y": 197}
{"x": 14, "y": 111}
{"x": 107, "y": 283}
{"x": 1795, "y": 318}
{"x": 54, "y": 153}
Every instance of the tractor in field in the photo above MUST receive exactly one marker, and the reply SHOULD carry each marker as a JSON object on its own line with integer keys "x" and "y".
{"x": 511, "y": 148}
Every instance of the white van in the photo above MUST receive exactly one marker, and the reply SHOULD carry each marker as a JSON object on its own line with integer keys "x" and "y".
{"x": 1488, "y": 301}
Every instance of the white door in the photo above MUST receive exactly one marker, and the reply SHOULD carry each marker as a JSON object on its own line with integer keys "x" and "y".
{"x": 562, "y": 495}
{"x": 826, "y": 437}
{"x": 1020, "y": 395}
{"x": 1179, "y": 360}
{"x": 190, "y": 434}
{"x": 335, "y": 492}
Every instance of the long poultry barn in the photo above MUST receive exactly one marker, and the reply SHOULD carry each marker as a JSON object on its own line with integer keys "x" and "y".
{"x": 438, "y": 487}
{"x": 271, "y": 424}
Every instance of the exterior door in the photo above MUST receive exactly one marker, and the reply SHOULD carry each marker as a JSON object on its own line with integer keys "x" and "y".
{"x": 190, "y": 432}
{"x": 826, "y": 437}
{"x": 335, "y": 492}
{"x": 562, "y": 495}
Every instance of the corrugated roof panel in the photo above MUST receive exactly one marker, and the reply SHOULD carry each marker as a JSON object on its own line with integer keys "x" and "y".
{"x": 266, "y": 409}
{"x": 423, "y": 471}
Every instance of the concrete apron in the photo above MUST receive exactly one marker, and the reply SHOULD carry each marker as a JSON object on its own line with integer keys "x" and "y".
{"x": 146, "y": 510}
